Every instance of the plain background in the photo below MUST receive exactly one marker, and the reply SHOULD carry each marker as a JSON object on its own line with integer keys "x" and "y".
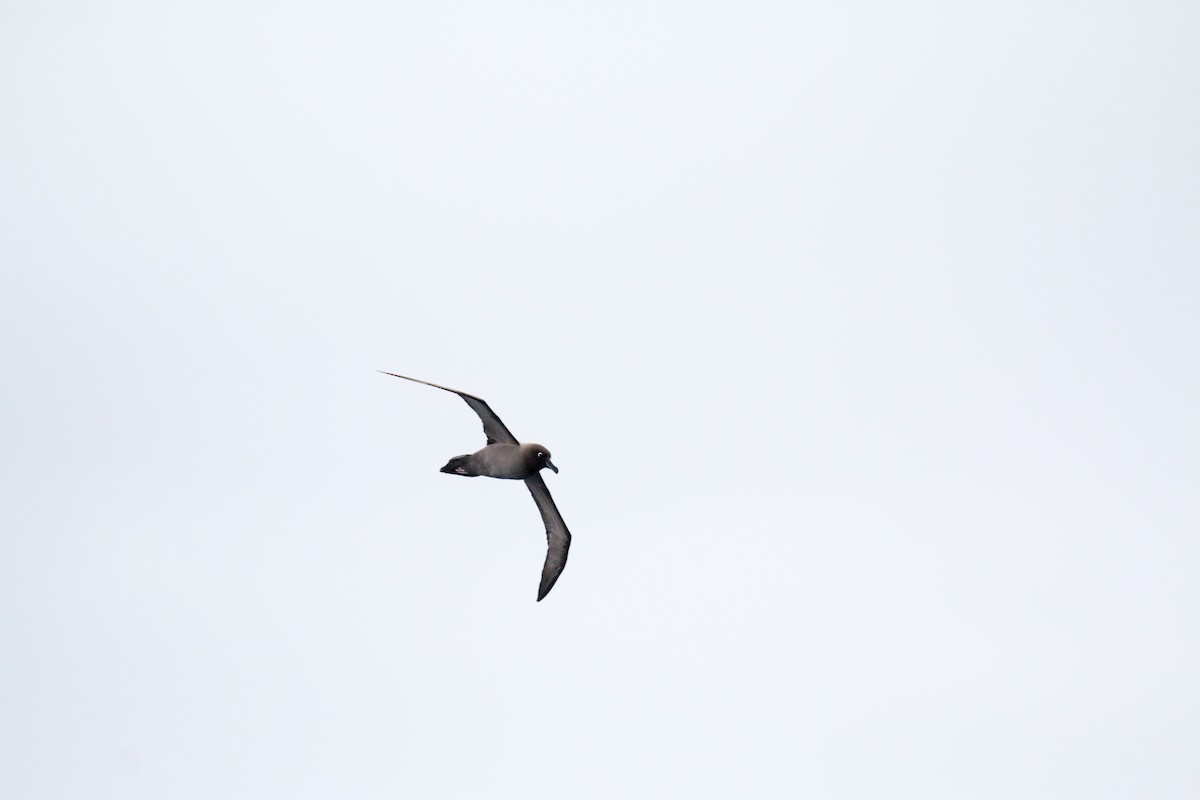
{"x": 865, "y": 335}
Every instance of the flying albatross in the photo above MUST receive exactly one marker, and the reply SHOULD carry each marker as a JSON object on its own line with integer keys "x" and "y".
{"x": 505, "y": 457}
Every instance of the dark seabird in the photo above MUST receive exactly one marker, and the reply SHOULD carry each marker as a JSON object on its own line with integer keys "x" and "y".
{"x": 505, "y": 457}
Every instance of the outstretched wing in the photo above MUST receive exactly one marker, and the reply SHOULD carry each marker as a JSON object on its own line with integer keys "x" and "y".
{"x": 558, "y": 538}
{"x": 493, "y": 428}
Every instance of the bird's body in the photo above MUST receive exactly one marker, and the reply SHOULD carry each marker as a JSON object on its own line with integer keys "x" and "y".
{"x": 504, "y": 457}
{"x": 502, "y": 460}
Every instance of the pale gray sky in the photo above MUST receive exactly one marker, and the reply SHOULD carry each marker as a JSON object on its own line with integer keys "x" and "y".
{"x": 865, "y": 336}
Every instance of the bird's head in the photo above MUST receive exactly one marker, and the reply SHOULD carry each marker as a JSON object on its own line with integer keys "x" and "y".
{"x": 540, "y": 457}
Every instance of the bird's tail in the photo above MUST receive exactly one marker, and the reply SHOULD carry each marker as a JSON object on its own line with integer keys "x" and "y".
{"x": 459, "y": 466}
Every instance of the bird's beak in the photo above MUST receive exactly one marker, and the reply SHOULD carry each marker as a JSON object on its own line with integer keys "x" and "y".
{"x": 550, "y": 464}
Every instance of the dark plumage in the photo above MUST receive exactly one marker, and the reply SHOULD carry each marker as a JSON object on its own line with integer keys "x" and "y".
{"x": 505, "y": 457}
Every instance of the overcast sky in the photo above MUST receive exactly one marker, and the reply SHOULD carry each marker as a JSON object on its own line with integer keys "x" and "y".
{"x": 865, "y": 336}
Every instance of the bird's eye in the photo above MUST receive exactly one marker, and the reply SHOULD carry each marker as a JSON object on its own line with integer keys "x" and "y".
{"x": 541, "y": 454}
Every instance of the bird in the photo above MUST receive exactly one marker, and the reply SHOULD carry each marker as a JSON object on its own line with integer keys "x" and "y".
{"x": 504, "y": 457}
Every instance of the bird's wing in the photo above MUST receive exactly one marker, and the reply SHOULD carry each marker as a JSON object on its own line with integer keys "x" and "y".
{"x": 558, "y": 538}
{"x": 493, "y": 428}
